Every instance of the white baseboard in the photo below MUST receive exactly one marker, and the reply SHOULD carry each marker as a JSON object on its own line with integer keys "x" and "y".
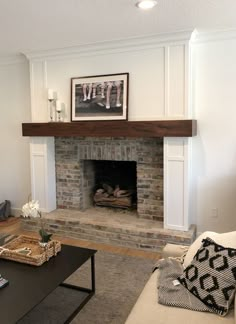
{"x": 16, "y": 212}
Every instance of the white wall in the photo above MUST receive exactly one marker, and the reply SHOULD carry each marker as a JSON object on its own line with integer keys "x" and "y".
{"x": 14, "y": 156}
{"x": 157, "y": 87}
{"x": 214, "y": 149}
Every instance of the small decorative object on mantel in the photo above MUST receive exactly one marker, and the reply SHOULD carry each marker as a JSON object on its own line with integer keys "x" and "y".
{"x": 100, "y": 97}
{"x": 52, "y": 96}
{"x": 58, "y": 110}
{"x": 31, "y": 209}
{"x": 56, "y": 107}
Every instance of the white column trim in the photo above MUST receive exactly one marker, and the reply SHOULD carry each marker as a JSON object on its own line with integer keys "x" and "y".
{"x": 176, "y": 217}
{"x": 166, "y": 64}
{"x": 43, "y": 148}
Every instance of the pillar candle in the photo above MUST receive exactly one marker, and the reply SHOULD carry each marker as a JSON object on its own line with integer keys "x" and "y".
{"x": 58, "y": 106}
{"x": 50, "y": 94}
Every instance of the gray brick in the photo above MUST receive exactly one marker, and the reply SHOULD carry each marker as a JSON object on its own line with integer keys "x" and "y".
{"x": 74, "y": 176}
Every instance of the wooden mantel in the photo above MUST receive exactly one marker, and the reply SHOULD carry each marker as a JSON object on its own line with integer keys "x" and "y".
{"x": 160, "y": 128}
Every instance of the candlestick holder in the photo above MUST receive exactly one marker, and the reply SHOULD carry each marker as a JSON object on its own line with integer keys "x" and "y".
{"x": 52, "y": 97}
{"x": 58, "y": 110}
{"x": 59, "y": 116}
{"x": 51, "y": 109}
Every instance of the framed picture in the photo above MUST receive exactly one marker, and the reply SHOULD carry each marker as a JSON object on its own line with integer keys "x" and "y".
{"x": 100, "y": 97}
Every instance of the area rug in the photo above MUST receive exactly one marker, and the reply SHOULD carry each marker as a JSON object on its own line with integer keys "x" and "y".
{"x": 119, "y": 281}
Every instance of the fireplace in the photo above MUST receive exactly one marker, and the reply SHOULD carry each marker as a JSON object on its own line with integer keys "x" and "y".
{"x": 112, "y": 183}
{"x": 85, "y": 165}
{"x": 109, "y": 183}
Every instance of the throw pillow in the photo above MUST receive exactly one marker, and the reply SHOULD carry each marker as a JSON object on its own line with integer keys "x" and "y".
{"x": 225, "y": 239}
{"x": 211, "y": 276}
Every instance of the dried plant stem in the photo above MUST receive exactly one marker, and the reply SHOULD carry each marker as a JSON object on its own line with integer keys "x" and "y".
{"x": 41, "y": 220}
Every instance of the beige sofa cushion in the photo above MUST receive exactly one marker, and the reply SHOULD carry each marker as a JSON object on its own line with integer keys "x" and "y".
{"x": 148, "y": 311}
{"x": 174, "y": 250}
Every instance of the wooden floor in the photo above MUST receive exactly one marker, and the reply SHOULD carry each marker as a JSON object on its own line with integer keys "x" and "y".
{"x": 16, "y": 229}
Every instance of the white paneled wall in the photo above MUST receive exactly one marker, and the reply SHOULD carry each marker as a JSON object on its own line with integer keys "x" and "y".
{"x": 43, "y": 184}
{"x": 38, "y": 85}
{"x": 177, "y": 163}
{"x": 159, "y": 89}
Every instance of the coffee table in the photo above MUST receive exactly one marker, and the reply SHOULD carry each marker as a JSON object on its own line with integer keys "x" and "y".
{"x": 29, "y": 285}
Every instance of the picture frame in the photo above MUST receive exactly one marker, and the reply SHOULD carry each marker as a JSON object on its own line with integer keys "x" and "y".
{"x": 100, "y": 97}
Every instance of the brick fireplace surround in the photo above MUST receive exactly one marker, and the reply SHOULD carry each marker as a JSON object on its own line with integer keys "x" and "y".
{"x": 76, "y": 217}
{"x": 73, "y": 177}
{"x": 70, "y": 149}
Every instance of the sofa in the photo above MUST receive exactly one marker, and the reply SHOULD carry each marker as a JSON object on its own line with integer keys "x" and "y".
{"x": 147, "y": 310}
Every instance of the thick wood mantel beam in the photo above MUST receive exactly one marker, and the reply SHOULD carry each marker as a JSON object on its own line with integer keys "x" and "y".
{"x": 160, "y": 128}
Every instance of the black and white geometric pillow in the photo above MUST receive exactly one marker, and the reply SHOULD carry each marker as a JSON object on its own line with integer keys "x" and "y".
{"x": 211, "y": 276}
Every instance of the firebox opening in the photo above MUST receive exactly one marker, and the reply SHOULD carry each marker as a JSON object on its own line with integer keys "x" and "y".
{"x": 115, "y": 184}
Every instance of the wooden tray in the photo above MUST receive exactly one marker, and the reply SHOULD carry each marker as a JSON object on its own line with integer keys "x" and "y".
{"x": 38, "y": 255}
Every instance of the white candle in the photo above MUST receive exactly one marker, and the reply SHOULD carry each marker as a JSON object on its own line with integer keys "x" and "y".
{"x": 58, "y": 106}
{"x": 50, "y": 94}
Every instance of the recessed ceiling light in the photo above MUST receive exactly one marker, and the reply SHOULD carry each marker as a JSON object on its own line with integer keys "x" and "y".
{"x": 146, "y": 4}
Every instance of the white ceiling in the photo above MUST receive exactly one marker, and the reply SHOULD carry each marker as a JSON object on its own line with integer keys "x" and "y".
{"x": 31, "y": 25}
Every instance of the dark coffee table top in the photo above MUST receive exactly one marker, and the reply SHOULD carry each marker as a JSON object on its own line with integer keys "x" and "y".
{"x": 29, "y": 285}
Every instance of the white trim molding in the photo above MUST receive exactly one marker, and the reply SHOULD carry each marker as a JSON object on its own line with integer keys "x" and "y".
{"x": 109, "y": 47}
{"x": 12, "y": 59}
{"x": 214, "y": 35}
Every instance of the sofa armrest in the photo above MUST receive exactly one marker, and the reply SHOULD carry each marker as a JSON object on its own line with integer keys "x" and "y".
{"x": 174, "y": 250}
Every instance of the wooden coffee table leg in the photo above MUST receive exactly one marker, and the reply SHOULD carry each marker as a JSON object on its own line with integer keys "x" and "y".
{"x": 93, "y": 273}
{"x": 90, "y": 291}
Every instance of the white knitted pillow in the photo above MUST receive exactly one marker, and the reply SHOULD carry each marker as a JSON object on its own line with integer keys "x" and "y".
{"x": 211, "y": 276}
{"x": 225, "y": 239}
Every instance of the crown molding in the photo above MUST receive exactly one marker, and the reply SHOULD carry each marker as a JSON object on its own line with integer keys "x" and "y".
{"x": 214, "y": 35}
{"x": 116, "y": 46}
{"x": 12, "y": 59}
